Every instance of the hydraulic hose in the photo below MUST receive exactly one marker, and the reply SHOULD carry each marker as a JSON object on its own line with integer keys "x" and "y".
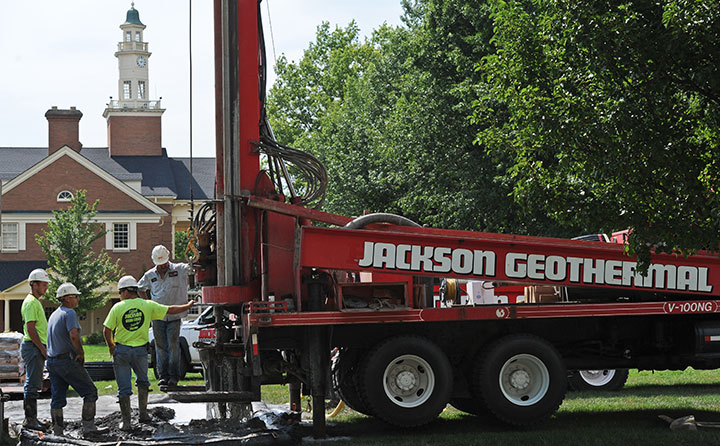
{"x": 381, "y": 217}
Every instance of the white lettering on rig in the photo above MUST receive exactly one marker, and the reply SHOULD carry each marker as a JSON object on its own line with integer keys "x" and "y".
{"x": 612, "y": 273}
{"x": 444, "y": 264}
{"x": 428, "y": 259}
{"x": 401, "y": 256}
{"x": 513, "y": 268}
{"x": 533, "y": 267}
{"x": 690, "y": 307}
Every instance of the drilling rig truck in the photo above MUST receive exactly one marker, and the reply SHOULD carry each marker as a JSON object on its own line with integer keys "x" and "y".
{"x": 291, "y": 284}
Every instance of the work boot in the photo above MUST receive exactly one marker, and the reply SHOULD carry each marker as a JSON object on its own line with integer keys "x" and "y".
{"x": 125, "y": 410}
{"x": 142, "y": 404}
{"x": 88, "y": 419}
{"x": 31, "y": 421}
{"x": 57, "y": 421}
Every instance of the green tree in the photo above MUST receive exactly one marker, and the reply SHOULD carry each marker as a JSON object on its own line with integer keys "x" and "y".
{"x": 181, "y": 244}
{"x": 388, "y": 116}
{"x": 67, "y": 244}
{"x": 610, "y": 111}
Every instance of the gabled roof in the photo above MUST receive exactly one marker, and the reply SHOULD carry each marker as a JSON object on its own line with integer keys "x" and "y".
{"x": 12, "y": 273}
{"x": 67, "y": 151}
{"x": 160, "y": 176}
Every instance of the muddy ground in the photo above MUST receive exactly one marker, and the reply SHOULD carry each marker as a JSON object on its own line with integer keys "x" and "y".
{"x": 265, "y": 427}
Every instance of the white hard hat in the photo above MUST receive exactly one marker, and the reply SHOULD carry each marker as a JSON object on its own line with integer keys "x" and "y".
{"x": 66, "y": 289}
{"x": 38, "y": 275}
{"x": 127, "y": 282}
{"x": 160, "y": 255}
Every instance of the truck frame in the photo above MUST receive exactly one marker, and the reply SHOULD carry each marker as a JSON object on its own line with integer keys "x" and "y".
{"x": 362, "y": 288}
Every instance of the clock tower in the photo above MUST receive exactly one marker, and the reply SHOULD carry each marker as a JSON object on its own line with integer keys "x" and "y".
{"x": 133, "y": 120}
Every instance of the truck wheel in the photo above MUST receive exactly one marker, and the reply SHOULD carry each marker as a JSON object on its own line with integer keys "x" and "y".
{"x": 598, "y": 379}
{"x": 406, "y": 381}
{"x": 185, "y": 364}
{"x": 521, "y": 379}
{"x": 344, "y": 378}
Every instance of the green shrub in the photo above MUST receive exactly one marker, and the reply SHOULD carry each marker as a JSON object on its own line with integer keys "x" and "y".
{"x": 94, "y": 338}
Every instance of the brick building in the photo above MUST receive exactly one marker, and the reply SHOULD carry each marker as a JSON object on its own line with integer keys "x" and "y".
{"x": 144, "y": 195}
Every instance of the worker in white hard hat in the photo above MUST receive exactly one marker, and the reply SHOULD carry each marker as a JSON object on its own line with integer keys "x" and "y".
{"x": 66, "y": 362}
{"x": 33, "y": 349}
{"x": 167, "y": 284}
{"x": 126, "y": 334}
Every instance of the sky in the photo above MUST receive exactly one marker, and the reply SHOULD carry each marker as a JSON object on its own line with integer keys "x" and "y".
{"x": 61, "y": 53}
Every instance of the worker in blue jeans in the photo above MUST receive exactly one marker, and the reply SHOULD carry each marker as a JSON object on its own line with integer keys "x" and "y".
{"x": 126, "y": 335}
{"x": 167, "y": 283}
{"x": 66, "y": 362}
{"x": 33, "y": 350}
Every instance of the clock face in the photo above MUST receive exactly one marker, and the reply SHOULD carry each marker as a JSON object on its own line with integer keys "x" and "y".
{"x": 141, "y": 61}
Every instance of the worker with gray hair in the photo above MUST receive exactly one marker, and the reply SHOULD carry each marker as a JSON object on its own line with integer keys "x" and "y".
{"x": 168, "y": 285}
{"x": 126, "y": 334}
{"x": 33, "y": 349}
{"x": 66, "y": 362}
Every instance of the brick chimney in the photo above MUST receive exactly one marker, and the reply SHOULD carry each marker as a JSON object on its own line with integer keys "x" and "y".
{"x": 63, "y": 129}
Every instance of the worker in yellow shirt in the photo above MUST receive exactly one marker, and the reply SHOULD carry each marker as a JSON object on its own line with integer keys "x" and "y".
{"x": 33, "y": 350}
{"x": 130, "y": 320}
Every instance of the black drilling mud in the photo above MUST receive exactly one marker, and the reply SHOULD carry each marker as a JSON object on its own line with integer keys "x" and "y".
{"x": 266, "y": 428}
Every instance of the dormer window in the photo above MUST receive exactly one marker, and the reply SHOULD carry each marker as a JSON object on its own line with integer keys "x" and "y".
{"x": 64, "y": 196}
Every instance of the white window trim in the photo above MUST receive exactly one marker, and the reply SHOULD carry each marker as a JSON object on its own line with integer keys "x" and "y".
{"x": 132, "y": 236}
{"x": 64, "y": 200}
{"x": 21, "y": 246}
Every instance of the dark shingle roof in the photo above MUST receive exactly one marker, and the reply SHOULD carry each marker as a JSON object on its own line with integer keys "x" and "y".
{"x": 160, "y": 176}
{"x": 16, "y": 160}
{"x": 12, "y": 273}
{"x": 203, "y": 174}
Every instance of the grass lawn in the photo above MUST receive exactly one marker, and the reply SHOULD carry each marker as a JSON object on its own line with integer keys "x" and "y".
{"x": 628, "y": 416}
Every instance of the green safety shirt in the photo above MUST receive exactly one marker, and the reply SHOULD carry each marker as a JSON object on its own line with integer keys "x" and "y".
{"x": 32, "y": 311}
{"x": 131, "y": 318}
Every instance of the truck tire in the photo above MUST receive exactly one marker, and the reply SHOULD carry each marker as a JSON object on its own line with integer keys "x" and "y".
{"x": 521, "y": 379}
{"x": 344, "y": 379}
{"x": 606, "y": 380}
{"x": 185, "y": 363}
{"x": 406, "y": 381}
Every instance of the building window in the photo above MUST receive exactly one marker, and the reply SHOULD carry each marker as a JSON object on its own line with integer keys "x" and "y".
{"x": 64, "y": 196}
{"x": 128, "y": 36}
{"x": 141, "y": 89}
{"x": 9, "y": 237}
{"x": 137, "y": 36}
{"x": 121, "y": 236}
{"x": 127, "y": 93}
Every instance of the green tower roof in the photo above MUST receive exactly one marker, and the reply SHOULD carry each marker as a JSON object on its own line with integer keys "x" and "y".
{"x": 133, "y": 16}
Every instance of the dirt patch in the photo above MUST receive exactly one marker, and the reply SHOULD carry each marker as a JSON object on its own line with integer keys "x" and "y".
{"x": 264, "y": 428}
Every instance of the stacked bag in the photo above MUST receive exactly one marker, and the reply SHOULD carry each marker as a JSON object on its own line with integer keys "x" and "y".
{"x": 11, "y": 363}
